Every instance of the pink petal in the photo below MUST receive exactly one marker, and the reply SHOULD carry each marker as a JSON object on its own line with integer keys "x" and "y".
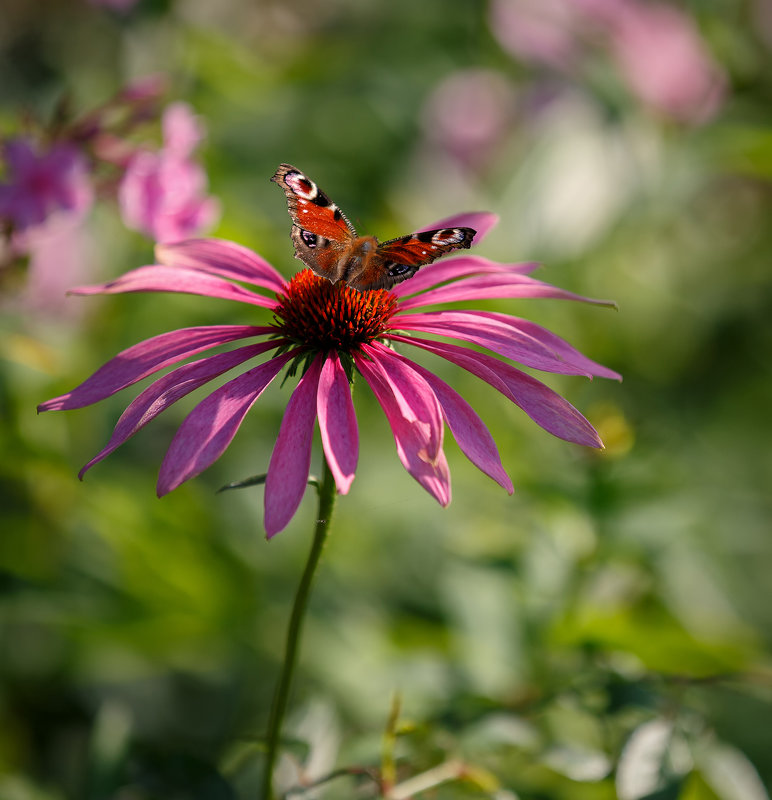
{"x": 480, "y": 221}
{"x": 337, "y": 422}
{"x": 458, "y": 267}
{"x": 489, "y": 287}
{"x": 545, "y": 407}
{"x": 563, "y": 349}
{"x": 143, "y": 359}
{"x": 221, "y": 257}
{"x": 287, "y": 476}
{"x": 175, "y": 279}
{"x": 208, "y": 430}
{"x": 171, "y": 388}
{"x": 491, "y": 333}
{"x": 413, "y": 395}
{"x": 469, "y": 431}
{"x": 414, "y": 435}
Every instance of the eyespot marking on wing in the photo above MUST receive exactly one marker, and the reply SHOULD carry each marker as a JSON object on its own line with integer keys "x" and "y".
{"x": 303, "y": 187}
{"x": 449, "y": 236}
{"x": 313, "y": 240}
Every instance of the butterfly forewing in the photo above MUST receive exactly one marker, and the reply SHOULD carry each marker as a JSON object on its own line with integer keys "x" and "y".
{"x": 310, "y": 208}
{"x": 320, "y": 231}
{"x": 419, "y": 249}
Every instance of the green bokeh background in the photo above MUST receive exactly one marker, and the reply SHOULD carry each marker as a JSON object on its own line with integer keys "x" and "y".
{"x": 545, "y": 639}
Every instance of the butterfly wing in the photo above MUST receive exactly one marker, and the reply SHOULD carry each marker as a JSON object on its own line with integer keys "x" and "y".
{"x": 399, "y": 259}
{"x": 321, "y": 233}
{"x": 326, "y": 241}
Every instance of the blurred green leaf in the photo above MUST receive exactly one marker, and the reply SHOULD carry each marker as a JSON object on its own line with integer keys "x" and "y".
{"x": 653, "y": 764}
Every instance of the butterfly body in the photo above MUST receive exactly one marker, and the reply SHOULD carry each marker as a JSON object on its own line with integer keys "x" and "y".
{"x": 327, "y": 242}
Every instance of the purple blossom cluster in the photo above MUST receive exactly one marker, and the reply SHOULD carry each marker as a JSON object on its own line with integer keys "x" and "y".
{"x": 163, "y": 192}
{"x": 53, "y": 173}
{"x": 43, "y": 182}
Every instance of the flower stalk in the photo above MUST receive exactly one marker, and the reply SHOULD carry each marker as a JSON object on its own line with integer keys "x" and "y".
{"x": 326, "y": 492}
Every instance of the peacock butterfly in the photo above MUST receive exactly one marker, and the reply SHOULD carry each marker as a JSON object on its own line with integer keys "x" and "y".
{"x": 326, "y": 241}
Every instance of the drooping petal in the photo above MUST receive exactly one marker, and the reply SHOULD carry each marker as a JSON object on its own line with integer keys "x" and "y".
{"x": 458, "y": 267}
{"x": 412, "y": 434}
{"x": 208, "y": 430}
{"x": 490, "y": 287}
{"x": 143, "y": 359}
{"x": 171, "y": 388}
{"x": 493, "y": 334}
{"x": 413, "y": 395}
{"x": 564, "y": 350}
{"x": 469, "y": 431}
{"x": 545, "y": 407}
{"x": 157, "y": 278}
{"x": 287, "y": 477}
{"x": 337, "y": 422}
{"x": 221, "y": 257}
{"x": 480, "y": 221}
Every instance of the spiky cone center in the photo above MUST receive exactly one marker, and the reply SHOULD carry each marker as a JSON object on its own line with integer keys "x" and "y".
{"x": 319, "y": 315}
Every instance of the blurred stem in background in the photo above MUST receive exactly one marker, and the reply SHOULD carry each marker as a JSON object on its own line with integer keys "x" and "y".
{"x": 325, "y": 488}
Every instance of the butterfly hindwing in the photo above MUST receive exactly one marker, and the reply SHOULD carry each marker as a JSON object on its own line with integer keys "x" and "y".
{"x": 399, "y": 259}
{"x": 324, "y": 256}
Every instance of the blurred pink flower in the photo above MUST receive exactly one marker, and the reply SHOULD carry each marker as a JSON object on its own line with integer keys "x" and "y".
{"x": 537, "y": 31}
{"x": 144, "y": 89}
{"x": 60, "y": 253}
{"x": 488, "y": 101}
{"x": 656, "y": 47}
{"x": 43, "y": 181}
{"x": 163, "y": 193}
{"x": 659, "y": 51}
{"x": 332, "y": 328}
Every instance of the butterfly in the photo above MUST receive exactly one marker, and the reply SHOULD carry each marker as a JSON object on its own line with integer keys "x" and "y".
{"x": 326, "y": 241}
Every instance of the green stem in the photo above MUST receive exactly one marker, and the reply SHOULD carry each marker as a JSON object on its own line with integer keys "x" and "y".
{"x": 326, "y": 493}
